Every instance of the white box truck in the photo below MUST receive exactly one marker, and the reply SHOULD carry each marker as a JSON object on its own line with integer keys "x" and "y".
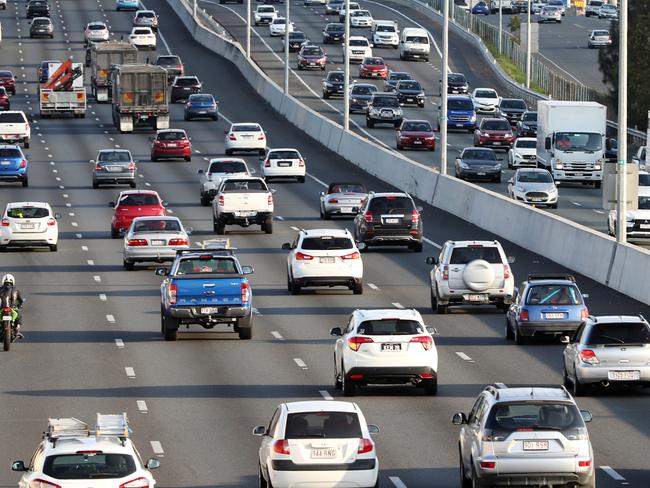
{"x": 571, "y": 140}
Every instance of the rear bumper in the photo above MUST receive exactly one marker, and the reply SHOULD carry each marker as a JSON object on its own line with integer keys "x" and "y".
{"x": 232, "y": 219}
{"x": 39, "y": 241}
{"x": 390, "y": 375}
{"x": 390, "y": 239}
{"x": 193, "y": 314}
{"x": 533, "y": 479}
{"x": 596, "y": 374}
{"x": 114, "y": 177}
{"x": 289, "y": 171}
{"x": 201, "y": 112}
{"x": 496, "y": 143}
{"x": 359, "y": 474}
{"x": 289, "y": 465}
{"x": 328, "y": 280}
{"x": 531, "y": 328}
{"x": 172, "y": 153}
{"x": 151, "y": 254}
{"x": 13, "y": 176}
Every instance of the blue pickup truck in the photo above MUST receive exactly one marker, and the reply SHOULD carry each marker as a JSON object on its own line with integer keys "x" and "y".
{"x": 206, "y": 287}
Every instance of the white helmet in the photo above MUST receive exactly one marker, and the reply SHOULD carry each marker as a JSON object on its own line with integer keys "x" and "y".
{"x": 9, "y": 278}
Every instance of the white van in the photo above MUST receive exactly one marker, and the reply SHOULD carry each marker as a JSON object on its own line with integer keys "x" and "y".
{"x": 385, "y": 33}
{"x": 414, "y": 44}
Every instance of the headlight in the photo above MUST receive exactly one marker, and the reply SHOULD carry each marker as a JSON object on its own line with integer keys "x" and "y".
{"x": 516, "y": 155}
{"x": 472, "y": 118}
{"x": 559, "y": 166}
{"x": 464, "y": 165}
{"x": 597, "y": 167}
{"x": 497, "y": 166}
{"x": 354, "y": 100}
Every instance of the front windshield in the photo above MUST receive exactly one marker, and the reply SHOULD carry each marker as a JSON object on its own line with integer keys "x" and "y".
{"x": 495, "y": 125}
{"x": 336, "y": 77}
{"x": 386, "y": 102}
{"x": 385, "y": 28}
{"x": 399, "y": 76}
{"x": 454, "y": 78}
{"x": 362, "y": 90}
{"x": 417, "y": 126}
{"x": 465, "y": 104}
{"x": 513, "y": 104}
{"x": 409, "y": 85}
{"x": 359, "y": 42}
{"x": 297, "y": 36}
{"x": 312, "y": 51}
{"x": 578, "y": 141}
{"x": 644, "y": 203}
{"x": 535, "y": 177}
{"x": 530, "y": 117}
{"x": 644, "y": 179}
{"x": 373, "y": 62}
{"x": 481, "y": 154}
{"x": 334, "y": 27}
{"x": 486, "y": 94}
{"x": 526, "y": 144}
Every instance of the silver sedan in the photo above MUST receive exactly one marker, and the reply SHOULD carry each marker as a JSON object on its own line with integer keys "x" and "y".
{"x": 534, "y": 186}
{"x": 154, "y": 239}
{"x": 342, "y": 199}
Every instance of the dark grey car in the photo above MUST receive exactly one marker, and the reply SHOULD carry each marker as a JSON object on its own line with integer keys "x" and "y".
{"x": 410, "y": 92}
{"x": 512, "y": 109}
{"x": 360, "y": 96}
{"x": 527, "y": 126}
{"x": 113, "y": 167}
{"x": 41, "y": 27}
{"x": 478, "y": 163}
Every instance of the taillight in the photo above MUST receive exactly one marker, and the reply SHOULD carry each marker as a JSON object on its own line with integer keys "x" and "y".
{"x": 365, "y": 445}
{"x": 353, "y": 255}
{"x": 584, "y": 314}
{"x": 178, "y": 242}
{"x": 506, "y": 271}
{"x": 267, "y": 163}
{"x": 131, "y": 166}
{"x": 426, "y": 341}
{"x": 445, "y": 272}
{"x": 98, "y": 167}
{"x": 333, "y": 200}
{"x": 51, "y": 222}
{"x": 367, "y": 216}
{"x": 523, "y": 314}
{"x": 23, "y": 163}
{"x": 301, "y": 163}
{"x": 303, "y": 257}
{"x": 584, "y": 464}
{"x": 245, "y": 292}
{"x": 415, "y": 217}
{"x": 7, "y": 310}
{"x": 355, "y": 342}
{"x": 232, "y": 137}
{"x": 588, "y": 356}
{"x": 136, "y": 483}
{"x": 281, "y": 446}
{"x": 269, "y": 200}
{"x": 222, "y": 200}
{"x": 137, "y": 242}
{"x": 172, "y": 294}
{"x": 26, "y": 126}
{"x": 261, "y": 137}
{"x": 488, "y": 464}
{"x": 39, "y": 483}
{"x": 5, "y": 223}
{"x": 179, "y": 66}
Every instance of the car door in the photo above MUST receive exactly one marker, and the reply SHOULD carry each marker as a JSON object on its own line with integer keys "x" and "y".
{"x": 291, "y": 256}
{"x": 267, "y": 440}
{"x": 467, "y": 433}
{"x": 339, "y": 351}
{"x": 572, "y": 349}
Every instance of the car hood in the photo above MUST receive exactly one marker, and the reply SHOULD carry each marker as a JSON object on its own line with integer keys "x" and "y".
{"x": 546, "y": 187}
{"x": 312, "y": 56}
{"x": 487, "y": 101}
{"x": 493, "y": 132}
{"x": 460, "y": 112}
{"x": 361, "y": 97}
{"x": 638, "y": 214}
{"x": 513, "y": 110}
{"x": 524, "y": 150}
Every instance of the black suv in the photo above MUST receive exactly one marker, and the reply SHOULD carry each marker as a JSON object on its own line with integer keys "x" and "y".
{"x": 183, "y": 87}
{"x": 333, "y": 84}
{"x": 512, "y": 109}
{"x": 388, "y": 219}
{"x": 38, "y": 8}
{"x": 527, "y": 125}
{"x": 456, "y": 83}
{"x": 333, "y": 32}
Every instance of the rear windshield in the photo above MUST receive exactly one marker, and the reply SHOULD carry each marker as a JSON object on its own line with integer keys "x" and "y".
{"x": 495, "y": 125}
{"x": 601, "y": 33}
{"x": 41, "y": 22}
{"x": 535, "y": 177}
{"x": 485, "y": 94}
{"x": 171, "y": 136}
{"x": 326, "y": 243}
{"x": 334, "y": 27}
{"x": 12, "y": 118}
{"x": 554, "y": 295}
{"x": 114, "y": 156}
{"x": 168, "y": 60}
{"x": 417, "y": 39}
{"x": 201, "y": 98}
{"x": 618, "y": 333}
{"x": 186, "y": 81}
{"x": 28, "y": 212}
{"x": 240, "y": 185}
{"x": 210, "y": 265}
{"x": 390, "y": 327}
{"x": 505, "y": 103}
{"x": 526, "y": 144}
{"x": 391, "y": 205}
{"x": 644, "y": 179}
{"x": 385, "y": 28}
{"x": 146, "y": 14}
{"x": 464, "y": 255}
{"x": 89, "y": 466}
{"x": 284, "y": 155}
{"x": 479, "y": 154}
{"x": 293, "y": 36}
{"x": 142, "y": 31}
{"x": 96, "y": 27}
{"x": 327, "y": 425}
{"x": 530, "y": 117}
{"x": 10, "y": 153}
{"x": 417, "y": 126}
{"x": 227, "y": 167}
{"x": 346, "y": 188}
{"x": 246, "y": 128}
{"x": 160, "y": 225}
{"x": 505, "y": 418}
{"x": 400, "y": 76}
{"x": 465, "y": 104}
{"x": 132, "y": 200}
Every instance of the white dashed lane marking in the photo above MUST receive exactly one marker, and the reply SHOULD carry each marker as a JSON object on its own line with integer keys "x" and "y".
{"x": 130, "y": 372}
{"x": 119, "y": 343}
{"x": 612, "y": 473}
{"x": 110, "y": 318}
{"x": 300, "y": 363}
{"x": 464, "y": 357}
{"x": 157, "y": 449}
{"x": 142, "y": 406}
{"x": 277, "y": 335}
{"x": 325, "y": 395}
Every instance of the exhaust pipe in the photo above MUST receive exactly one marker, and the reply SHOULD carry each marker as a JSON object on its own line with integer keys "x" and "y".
{"x": 605, "y": 383}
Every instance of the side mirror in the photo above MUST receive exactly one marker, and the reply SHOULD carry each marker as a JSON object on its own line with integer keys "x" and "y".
{"x": 18, "y": 466}
{"x": 432, "y": 330}
{"x": 152, "y": 464}
{"x": 111, "y": 204}
{"x": 262, "y": 158}
{"x": 585, "y": 295}
{"x": 225, "y": 132}
{"x": 419, "y": 208}
{"x": 57, "y": 216}
{"x": 92, "y": 161}
{"x": 336, "y": 331}
{"x": 165, "y": 203}
{"x": 511, "y": 259}
{"x": 161, "y": 272}
{"x": 547, "y": 143}
{"x": 286, "y": 246}
{"x": 252, "y": 171}
{"x": 459, "y": 419}
{"x": 322, "y": 194}
{"x": 431, "y": 260}
{"x": 259, "y": 430}
{"x": 355, "y": 210}
{"x": 189, "y": 230}
{"x": 586, "y": 415}
{"x": 200, "y": 171}
{"x": 361, "y": 246}
{"x": 273, "y": 190}
{"x": 565, "y": 340}
{"x": 373, "y": 429}
{"x": 247, "y": 270}
{"x": 511, "y": 181}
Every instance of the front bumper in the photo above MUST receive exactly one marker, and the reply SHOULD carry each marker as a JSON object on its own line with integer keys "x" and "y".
{"x": 418, "y": 144}
{"x": 359, "y": 106}
{"x": 479, "y": 174}
{"x": 307, "y": 64}
{"x": 574, "y": 175}
{"x": 411, "y": 99}
{"x": 496, "y": 143}
{"x": 461, "y": 124}
{"x": 368, "y": 73}
{"x": 519, "y": 162}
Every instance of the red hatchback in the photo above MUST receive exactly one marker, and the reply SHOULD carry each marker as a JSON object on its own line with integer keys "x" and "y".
{"x": 373, "y": 68}
{"x": 5, "y": 103}
{"x": 134, "y": 203}
{"x": 171, "y": 143}
{"x": 8, "y": 81}
{"x": 415, "y": 134}
{"x": 494, "y": 133}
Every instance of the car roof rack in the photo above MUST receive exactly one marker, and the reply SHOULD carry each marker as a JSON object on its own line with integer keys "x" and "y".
{"x": 61, "y": 428}
{"x": 113, "y": 425}
{"x": 218, "y": 243}
{"x": 550, "y": 276}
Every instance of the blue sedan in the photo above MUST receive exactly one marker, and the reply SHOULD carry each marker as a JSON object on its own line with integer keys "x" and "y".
{"x": 201, "y": 105}
{"x": 127, "y": 5}
{"x": 481, "y": 8}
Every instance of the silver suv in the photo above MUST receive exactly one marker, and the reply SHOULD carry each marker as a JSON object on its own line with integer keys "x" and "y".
{"x": 384, "y": 108}
{"x": 526, "y": 436}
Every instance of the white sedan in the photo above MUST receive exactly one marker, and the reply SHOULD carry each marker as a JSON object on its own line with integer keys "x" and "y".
{"x": 523, "y": 153}
{"x": 388, "y": 346}
{"x": 278, "y": 27}
{"x": 360, "y": 18}
{"x": 245, "y": 137}
{"x": 324, "y": 257}
{"x": 319, "y": 444}
{"x": 486, "y": 100}
{"x": 96, "y": 32}
{"x": 143, "y": 38}
{"x": 534, "y": 186}
{"x": 29, "y": 224}
{"x": 283, "y": 163}
{"x": 154, "y": 239}
{"x": 549, "y": 14}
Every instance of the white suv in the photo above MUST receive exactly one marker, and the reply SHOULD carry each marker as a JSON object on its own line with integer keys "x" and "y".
{"x": 265, "y": 14}
{"x": 324, "y": 257}
{"x": 72, "y": 455}
{"x": 217, "y": 170}
{"x": 471, "y": 272}
{"x": 532, "y": 436}
{"x": 283, "y": 163}
{"x": 29, "y": 224}
{"x": 360, "y": 48}
{"x": 389, "y": 346}
{"x": 317, "y": 443}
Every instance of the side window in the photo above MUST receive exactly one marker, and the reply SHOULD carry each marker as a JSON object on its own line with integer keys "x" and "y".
{"x": 480, "y": 414}
{"x": 274, "y": 422}
{"x": 577, "y": 336}
{"x": 475, "y": 409}
{"x": 37, "y": 460}
{"x": 350, "y": 326}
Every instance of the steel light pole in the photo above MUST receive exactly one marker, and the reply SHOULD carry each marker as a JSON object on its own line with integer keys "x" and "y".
{"x": 528, "y": 45}
{"x": 443, "y": 88}
{"x": 194, "y": 9}
{"x": 287, "y": 23}
{"x": 500, "y": 28}
{"x": 621, "y": 210}
{"x": 248, "y": 29}
{"x": 346, "y": 68}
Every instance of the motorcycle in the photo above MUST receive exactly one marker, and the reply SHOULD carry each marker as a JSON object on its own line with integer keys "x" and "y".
{"x": 8, "y": 330}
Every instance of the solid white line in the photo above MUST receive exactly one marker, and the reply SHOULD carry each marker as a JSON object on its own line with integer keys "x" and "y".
{"x": 97, "y": 278}
{"x": 277, "y": 335}
{"x": 130, "y": 372}
{"x": 397, "y": 305}
{"x": 119, "y": 343}
{"x": 598, "y": 211}
{"x": 577, "y": 204}
{"x": 434, "y": 244}
{"x": 65, "y": 195}
{"x": 142, "y": 406}
{"x": 295, "y": 228}
{"x": 78, "y": 236}
{"x": 300, "y": 363}
{"x": 464, "y": 356}
{"x": 279, "y": 217}
{"x": 397, "y": 482}
{"x": 320, "y": 182}
{"x": 612, "y": 473}
{"x": 102, "y": 297}
{"x": 110, "y": 318}
{"x": 157, "y": 449}
{"x": 325, "y": 395}
{"x": 373, "y": 286}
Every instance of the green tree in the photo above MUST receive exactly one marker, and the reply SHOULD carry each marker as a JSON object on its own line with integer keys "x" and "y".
{"x": 638, "y": 61}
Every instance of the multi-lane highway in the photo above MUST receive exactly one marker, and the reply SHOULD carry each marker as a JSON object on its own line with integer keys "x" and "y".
{"x": 92, "y": 329}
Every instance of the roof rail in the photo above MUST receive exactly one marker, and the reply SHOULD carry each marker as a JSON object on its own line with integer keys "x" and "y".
{"x": 642, "y": 317}
{"x": 493, "y": 390}
{"x": 554, "y": 386}
{"x": 550, "y": 276}
{"x": 207, "y": 250}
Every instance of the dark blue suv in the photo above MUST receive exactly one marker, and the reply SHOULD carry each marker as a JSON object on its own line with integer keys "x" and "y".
{"x": 13, "y": 165}
{"x": 461, "y": 113}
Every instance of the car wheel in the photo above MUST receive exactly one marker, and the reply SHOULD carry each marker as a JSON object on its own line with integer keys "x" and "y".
{"x": 133, "y": 184}
{"x": 54, "y": 247}
{"x": 357, "y": 288}
{"x": 431, "y": 387}
{"x": 554, "y": 205}
{"x": 597, "y": 184}
{"x": 154, "y": 158}
{"x": 25, "y": 181}
{"x": 267, "y": 226}
{"x": 416, "y": 247}
{"x": 228, "y": 152}
{"x": 188, "y": 158}
{"x": 219, "y": 226}
{"x": 262, "y": 483}
{"x": 170, "y": 328}
{"x": 399, "y": 147}
{"x": 520, "y": 340}
{"x": 245, "y": 328}
{"x": 294, "y": 286}
{"x": 326, "y": 95}
{"x": 114, "y": 233}
{"x": 509, "y": 334}
{"x": 348, "y": 387}
{"x": 204, "y": 201}
{"x": 338, "y": 383}
{"x": 578, "y": 388}
{"x": 186, "y": 118}
{"x": 26, "y": 141}
{"x": 301, "y": 179}
{"x": 465, "y": 482}
{"x": 370, "y": 123}
{"x": 565, "y": 377}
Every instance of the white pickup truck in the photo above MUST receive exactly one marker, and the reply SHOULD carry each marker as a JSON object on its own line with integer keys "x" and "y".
{"x": 14, "y": 127}
{"x": 217, "y": 170}
{"x": 243, "y": 201}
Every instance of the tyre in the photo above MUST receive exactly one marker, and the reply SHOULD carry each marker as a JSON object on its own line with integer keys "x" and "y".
{"x": 228, "y": 152}
{"x": 416, "y": 247}
{"x": 267, "y": 226}
{"x": 3, "y": 248}
{"x": 219, "y": 226}
{"x": 338, "y": 383}
{"x": 245, "y": 327}
{"x": 133, "y": 184}
{"x": 565, "y": 377}
{"x": 188, "y": 158}
{"x": 204, "y": 201}
{"x": 327, "y": 216}
{"x": 589, "y": 484}
{"x": 399, "y": 147}
{"x": 519, "y": 339}
{"x": 326, "y": 95}
{"x": 25, "y": 182}
{"x": 54, "y": 247}
{"x": 95, "y": 185}
{"x": 370, "y": 123}
{"x": 114, "y": 233}
{"x": 294, "y": 286}
{"x": 348, "y": 387}
{"x": 6, "y": 336}
{"x": 154, "y": 158}
{"x": 431, "y": 387}
{"x": 578, "y": 389}
{"x": 465, "y": 482}
{"x": 301, "y": 179}
{"x": 25, "y": 142}
{"x": 357, "y": 288}
{"x": 497, "y": 179}
{"x": 554, "y": 205}
{"x": 261, "y": 480}
{"x": 170, "y": 328}
{"x": 597, "y": 184}
{"x": 128, "y": 265}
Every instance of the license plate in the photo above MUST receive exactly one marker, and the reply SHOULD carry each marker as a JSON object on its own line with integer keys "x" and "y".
{"x": 481, "y": 174}
{"x": 391, "y": 347}
{"x": 114, "y": 169}
{"x": 157, "y": 242}
{"x": 245, "y": 214}
{"x": 497, "y": 143}
{"x": 172, "y": 144}
{"x": 623, "y": 375}
{"x": 537, "y": 199}
{"x": 409, "y": 99}
{"x": 346, "y": 209}
{"x": 5, "y": 163}
{"x": 415, "y": 55}
{"x": 460, "y": 126}
{"x": 535, "y": 445}
{"x": 209, "y": 310}
{"x": 374, "y": 73}
{"x": 477, "y": 297}
{"x": 312, "y": 64}
{"x": 553, "y": 315}
{"x": 329, "y": 453}
{"x": 27, "y": 226}
{"x": 6, "y": 317}
{"x": 391, "y": 221}
{"x": 645, "y": 226}
{"x": 417, "y": 142}
{"x": 327, "y": 260}
{"x": 284, "y": 164}
{"x": 203, "y": 111}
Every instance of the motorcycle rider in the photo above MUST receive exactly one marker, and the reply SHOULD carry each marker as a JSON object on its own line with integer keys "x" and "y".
{"x": 10, "y": 297}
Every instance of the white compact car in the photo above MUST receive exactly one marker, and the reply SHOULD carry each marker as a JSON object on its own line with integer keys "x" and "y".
{"x": 534, "y": 186}
{"x": 486, "y": 100}
{"x": 360, "y": 48}
{"x": 245, "y": 136}
{"x": 217, "y": 170}
{"x": 29, "y": 224}
{"x": 72, "y": 455}
{"x": 143, "y": 38}
{"x": 637, "y": 221}
{"x": 154, "y": 239}
{"x": 318, "y": 444}
{"x": 389, "y": 346}
{"x": 278, "y": 27}
{"x": 523, "y": 153}
{"x": 360, "y": 18}
{"x": 283, "y": 163}
{"x": 324, "y": 257}
{"x": 265, "y": 14}
{"x": 353, "y": 6}
{"x": 549, "y": 14}
{"x": 96, "y": 32}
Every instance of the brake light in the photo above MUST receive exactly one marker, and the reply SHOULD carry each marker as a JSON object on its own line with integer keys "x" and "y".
{"x": 488, "y": 464}
{"x": 23, "y": 163}
{"x": 301, "y": 163}
{"x": 5, "y": 223}
{"x": 333, "y": 200}
{"x": 523, "y": 314}
{"x": 98, "y": 167}
{"x": 26, "y": 126}
{"x": 426, "y": 341}
{"x": 355, "y": 342}
{"x": 303, "y": 257}
{"x": 281, "y": 446}
{"x": 93, "y": 453}
{"x": 39, "y": 483}
{"x": 267, "y": 163}
{"x": 368, "y": 216}
{"x": 178, "y": 242}
{"x": 588, "y": 356}
{"x": 584, "y": 464}
{"x": 131, "y": 166}
{"x": 245, "y": 292}
{"x": 222, "y": 200}
{"x": 232, "y": 137}
{"x": 7, "y": 310}
{"x": 137, "y": 242}
{"x": 365, "y": 445}
{"x": 506, "y": 271}
{"x": 445, "y": 272}
{"x": 136, "y": 483}
{"x": 415, "y": 217}
{"x": 584, "y": 314}
{"x": 51, "y": 222}
{"x": 353, "y": 255}
{"x": 269, "y": 200}
{"x": 261, "y": 137}
{"x": 179, "y": 66}
{"x": 172, "y": 294}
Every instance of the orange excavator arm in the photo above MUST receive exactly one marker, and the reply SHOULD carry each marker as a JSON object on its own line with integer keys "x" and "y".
{"x": 62, "y": 78}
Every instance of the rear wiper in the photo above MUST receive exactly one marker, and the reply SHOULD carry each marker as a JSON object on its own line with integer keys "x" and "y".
{"x": 307, "y": 436}
{"x": 615, "y": 339}
{"x": 545, "y": 427}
